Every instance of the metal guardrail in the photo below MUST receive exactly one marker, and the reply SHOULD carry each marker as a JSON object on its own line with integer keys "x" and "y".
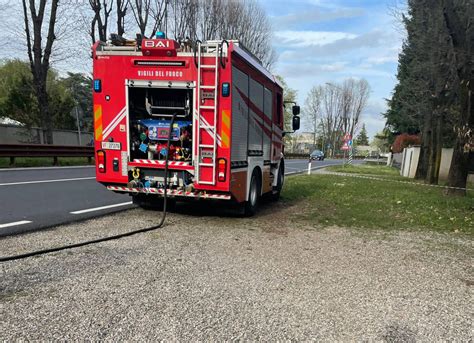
{"x": 382, "y": 160}
{"x": 296, "y": 155}
{"x": 45, "y": 150}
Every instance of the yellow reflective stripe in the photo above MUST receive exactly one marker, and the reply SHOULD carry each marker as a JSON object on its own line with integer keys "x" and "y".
{"x": 225, "y": 129}
{"x": 225, "y": 140}
{"x": 226, "y": 118}
{"x": 98, "y": 122}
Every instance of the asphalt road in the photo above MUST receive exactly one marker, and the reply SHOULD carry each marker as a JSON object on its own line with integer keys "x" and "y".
{"x": 37, "y": 198}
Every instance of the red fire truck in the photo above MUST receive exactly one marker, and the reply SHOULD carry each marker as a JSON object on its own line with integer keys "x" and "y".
{"x": 226, "y": 139}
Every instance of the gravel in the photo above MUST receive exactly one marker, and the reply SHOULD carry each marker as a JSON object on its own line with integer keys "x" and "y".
{"x": 219, "y": 277}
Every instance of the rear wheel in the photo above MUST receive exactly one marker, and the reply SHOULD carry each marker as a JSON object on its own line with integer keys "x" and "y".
{"x": 251, "y": 205}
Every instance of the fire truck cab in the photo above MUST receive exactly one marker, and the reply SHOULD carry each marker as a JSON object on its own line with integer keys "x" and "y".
{"x": 227, "y": 138}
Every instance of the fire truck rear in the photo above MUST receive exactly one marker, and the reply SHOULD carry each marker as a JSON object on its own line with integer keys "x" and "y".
{"x": 226, "y": 139}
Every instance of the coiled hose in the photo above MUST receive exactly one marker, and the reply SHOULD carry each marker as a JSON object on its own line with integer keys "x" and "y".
{"x": 110, "y": 238}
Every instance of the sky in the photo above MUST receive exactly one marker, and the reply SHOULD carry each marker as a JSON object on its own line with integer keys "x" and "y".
{"x": 327, "y": 41}
{"x": 317, "y": 42}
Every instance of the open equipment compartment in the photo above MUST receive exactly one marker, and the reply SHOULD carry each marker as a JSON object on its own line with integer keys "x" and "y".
{"x": 150, "y": 111}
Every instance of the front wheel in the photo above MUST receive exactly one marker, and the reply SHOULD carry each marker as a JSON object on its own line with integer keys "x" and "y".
{"x": 280, "y": 181}
{"x": 251, "y": 205}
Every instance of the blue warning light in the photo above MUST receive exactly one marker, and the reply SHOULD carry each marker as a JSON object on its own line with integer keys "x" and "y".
{"x": 97, "y": 86}
{"x": 225, "y": 89}
{"x": 160, "y": 35}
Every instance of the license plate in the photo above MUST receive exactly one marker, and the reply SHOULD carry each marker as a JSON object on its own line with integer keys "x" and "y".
{"x": 207, "y": 94}
{"x": 110, "y": 145}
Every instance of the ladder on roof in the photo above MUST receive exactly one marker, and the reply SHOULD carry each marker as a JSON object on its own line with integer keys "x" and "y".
{"x": 206, "y": 163}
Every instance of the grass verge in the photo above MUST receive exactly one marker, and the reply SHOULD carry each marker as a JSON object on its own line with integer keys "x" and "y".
{"x": 353, "y": 202}
{"x": 43, "y": 162}
{"x": 365, "y": 169}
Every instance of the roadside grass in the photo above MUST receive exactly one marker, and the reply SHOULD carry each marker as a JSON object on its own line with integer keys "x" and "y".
{"x": 43, "y": 162}
{"x": 327, "y": 200}
{"x": 381, "y": 171}
{"x": 365, "y": 169}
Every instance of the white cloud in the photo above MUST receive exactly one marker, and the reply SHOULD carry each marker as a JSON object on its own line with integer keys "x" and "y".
{"x": 314, "y": 15}
{"x": 333, "y": 67}
{"x": 382, "y": 59}
{"x": 300, "y": 39}
{"x": 300, "y": 45}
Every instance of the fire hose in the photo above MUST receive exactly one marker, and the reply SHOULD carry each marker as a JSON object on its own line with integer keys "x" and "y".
{"x": 109, "y": 238}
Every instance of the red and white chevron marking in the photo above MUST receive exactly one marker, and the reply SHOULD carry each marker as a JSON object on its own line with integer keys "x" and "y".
{"x": 162, "y": 163}
{"x": 171, "y": 192}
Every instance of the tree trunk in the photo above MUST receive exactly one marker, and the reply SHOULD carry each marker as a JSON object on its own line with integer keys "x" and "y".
{"x": 43, "y": 106}
{"x": 422, "y": 169}
{"x": 431, "y": 154}
{"x": 121, "y": 12}
{"x": 439, "y": 144}
{"x": 458, "y": 20}
{"x": 459, "y": 171}
{"x": 39, "y": 56}
{"x": 46, "y": 120}
{"x": 462, "y": 150}
{"x": 434, "y": 155}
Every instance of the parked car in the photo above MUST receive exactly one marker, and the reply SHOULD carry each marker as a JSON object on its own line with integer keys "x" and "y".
{"x": 317, "y": 155}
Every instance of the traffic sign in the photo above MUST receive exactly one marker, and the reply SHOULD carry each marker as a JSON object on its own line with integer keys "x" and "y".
{"x": 347, "y": 137}
{"x": 345, "y": 147}
{"x": 349, "y": 142}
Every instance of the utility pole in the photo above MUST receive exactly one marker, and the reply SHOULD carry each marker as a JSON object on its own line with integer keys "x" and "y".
{"x": 78, "y": 123}
{"x": 78, "y": 126}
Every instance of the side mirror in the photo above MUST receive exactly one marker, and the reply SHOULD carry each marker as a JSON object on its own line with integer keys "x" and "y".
{"x": 296, "y": 122}
{"x": 296, "y": 110}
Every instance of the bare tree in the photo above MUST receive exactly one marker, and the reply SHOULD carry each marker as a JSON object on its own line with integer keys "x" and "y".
{"x": 355, "y": 94}
{"x": 313, "y": 107}
{"x": 213, "y": 16}
{"x": 122, "y": 6}
{"x": 331, "y": 119}
{"x": 340, "y": 109}
{"x": 254, "y": 30}
{"x": 243, "y": 20}
{"x": 149, "y": 15}
{"x": 39, "y": 55}
{"x": 100, "y": 22}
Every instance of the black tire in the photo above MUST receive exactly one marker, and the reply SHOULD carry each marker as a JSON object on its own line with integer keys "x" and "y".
{"x": 251, "y": 205}
{"x": 280, "y": 182}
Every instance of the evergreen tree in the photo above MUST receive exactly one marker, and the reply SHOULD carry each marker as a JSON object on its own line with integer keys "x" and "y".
{"x": 362, "y": 138}
{"x": 424, "y": 100}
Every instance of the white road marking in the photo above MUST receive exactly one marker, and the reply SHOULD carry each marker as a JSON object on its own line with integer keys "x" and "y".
{"x": 21, "y": 222}
{"x": 46, "y": 181}
{"x": 101, "y": 208}
{"x": 43, "y": 168}
{"x": 305, "y": 170}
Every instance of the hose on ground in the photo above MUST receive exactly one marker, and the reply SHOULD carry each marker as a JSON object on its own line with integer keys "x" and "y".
{"x": 109, "y": 238}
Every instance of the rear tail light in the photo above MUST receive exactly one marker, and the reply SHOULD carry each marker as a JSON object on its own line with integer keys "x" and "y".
{"x": 101, "y": 161}
{"x": 221, "y": 169}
